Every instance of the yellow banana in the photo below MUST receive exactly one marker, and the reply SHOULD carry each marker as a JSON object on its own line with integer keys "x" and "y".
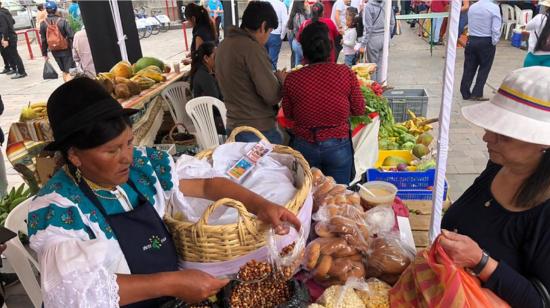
{"x": 38, "y": 105}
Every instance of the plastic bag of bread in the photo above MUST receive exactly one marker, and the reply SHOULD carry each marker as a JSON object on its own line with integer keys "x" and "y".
{"x": 321, "y": 191}
{"x": 340, "y": 297}
{"x": 388, "y": 257}
{"x": 333, "y": 261}
{"x": 346, "y": 222}
{"x": 287, "y": 259}
{"x": 376, "y": 294}
{"x": 380, "y": 219}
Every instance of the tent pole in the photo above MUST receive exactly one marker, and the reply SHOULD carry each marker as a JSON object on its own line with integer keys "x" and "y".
{"x": 121, "y": 37}
{"x": 383, "y": 71}
{"x": 445, "y": 119}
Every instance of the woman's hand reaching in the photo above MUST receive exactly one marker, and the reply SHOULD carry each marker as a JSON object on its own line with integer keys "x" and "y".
{"x": 193, "y": 286}
{"x": 276, "y": 215}
{"x": 464, "y": 251}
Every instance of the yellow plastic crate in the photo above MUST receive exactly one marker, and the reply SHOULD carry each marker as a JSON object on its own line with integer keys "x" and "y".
{"x": 382, "y": 154}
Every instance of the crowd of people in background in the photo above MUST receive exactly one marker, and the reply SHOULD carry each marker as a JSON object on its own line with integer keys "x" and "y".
{"x": 243, "y": 69}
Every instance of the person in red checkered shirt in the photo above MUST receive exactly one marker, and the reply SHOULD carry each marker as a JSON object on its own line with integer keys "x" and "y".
{"x": 320, "y": 98}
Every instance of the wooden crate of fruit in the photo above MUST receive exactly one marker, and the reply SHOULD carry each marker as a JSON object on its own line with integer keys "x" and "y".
{"x": 420, "y": 212}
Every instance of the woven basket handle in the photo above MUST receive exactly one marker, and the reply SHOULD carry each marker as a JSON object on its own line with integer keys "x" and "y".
{"x": 241, "y": 129}
{"x": 172, "y": 131}
{"x": 245, "y": 219}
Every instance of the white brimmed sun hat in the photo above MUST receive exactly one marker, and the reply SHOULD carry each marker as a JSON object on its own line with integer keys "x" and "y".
{"x": 520, "y": 109}
{"x": 545, "y": 3}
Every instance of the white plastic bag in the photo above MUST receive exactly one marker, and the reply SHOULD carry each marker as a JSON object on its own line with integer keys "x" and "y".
{"x": 365, "y": 147}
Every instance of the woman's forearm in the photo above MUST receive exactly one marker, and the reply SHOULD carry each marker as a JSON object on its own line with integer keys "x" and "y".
{"x": 219, "y": 188}
{"x": 136, "y": 288}
{"x": 488, "y": 270}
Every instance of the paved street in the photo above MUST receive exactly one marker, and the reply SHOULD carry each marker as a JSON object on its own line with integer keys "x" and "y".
{"x": 411, "y": 66}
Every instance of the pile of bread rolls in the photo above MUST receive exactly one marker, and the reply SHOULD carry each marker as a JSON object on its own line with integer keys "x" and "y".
{"x": 345, "y": 248}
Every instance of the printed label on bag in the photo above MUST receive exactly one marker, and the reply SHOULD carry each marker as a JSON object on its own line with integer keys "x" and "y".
{"x": 246, "y": 163}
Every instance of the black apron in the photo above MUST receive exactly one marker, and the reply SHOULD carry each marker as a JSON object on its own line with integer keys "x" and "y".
{"x": 143, "y": 238}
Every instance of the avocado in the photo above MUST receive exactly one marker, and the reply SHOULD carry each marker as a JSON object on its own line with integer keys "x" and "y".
{"x": 394, "y": 161}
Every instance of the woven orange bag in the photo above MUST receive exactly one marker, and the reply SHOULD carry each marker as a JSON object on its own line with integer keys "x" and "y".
{"x": 433, "y": 281}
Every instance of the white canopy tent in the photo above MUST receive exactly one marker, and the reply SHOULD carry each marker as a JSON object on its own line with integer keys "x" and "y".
{"x": 446, "y": 105}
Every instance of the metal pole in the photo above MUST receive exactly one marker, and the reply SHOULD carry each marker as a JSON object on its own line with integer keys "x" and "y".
{"x": 121, "y": 38}
{"x": 233, "y": 12}
{"x": 445, "y": 119}
{"x": 383, "y": 71}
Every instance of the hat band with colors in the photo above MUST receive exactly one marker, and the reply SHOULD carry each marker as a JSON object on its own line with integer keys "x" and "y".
{"x": 521, "y": 103}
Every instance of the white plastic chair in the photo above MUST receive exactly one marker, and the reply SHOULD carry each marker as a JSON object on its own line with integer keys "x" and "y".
{"x": 201, "y": 112}
{"x": 508, "y": 19}
{"x": 522, "y": 16}
{"x": 176, "y": 99}
{"x": 19, "y": 257}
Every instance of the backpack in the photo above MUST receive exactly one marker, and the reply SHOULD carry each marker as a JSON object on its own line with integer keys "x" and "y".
{"x": 56, "y": 40}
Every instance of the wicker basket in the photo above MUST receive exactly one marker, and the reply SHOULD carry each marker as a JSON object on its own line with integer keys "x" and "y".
{"x": 200, "y": 242}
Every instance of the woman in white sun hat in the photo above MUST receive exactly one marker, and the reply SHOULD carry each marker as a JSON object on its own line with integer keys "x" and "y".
{"x": 499, "y": 228}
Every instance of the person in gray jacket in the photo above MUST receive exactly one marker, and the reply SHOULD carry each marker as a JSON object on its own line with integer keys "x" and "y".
{"x": 373, "y": 33}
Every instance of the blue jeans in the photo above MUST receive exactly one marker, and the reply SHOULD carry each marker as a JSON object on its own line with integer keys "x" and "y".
{"x": 462, "y": 22}
{"x": 273, "y": 47}
{"x": 272, "y": 135}
{"x": 350, "y": 60}
{"x": 298, "y": 53}
{"x": 333, "y": 156}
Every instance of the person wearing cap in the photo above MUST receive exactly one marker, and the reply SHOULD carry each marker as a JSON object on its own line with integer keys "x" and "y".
{"x": 64, "y": 57}
{"x": 96, "y": 225}
{"x": 499, "y": 228}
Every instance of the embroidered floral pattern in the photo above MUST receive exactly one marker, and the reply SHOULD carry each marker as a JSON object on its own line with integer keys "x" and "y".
{"x": 161, "y": 164}
{"x": 148, "y": 167}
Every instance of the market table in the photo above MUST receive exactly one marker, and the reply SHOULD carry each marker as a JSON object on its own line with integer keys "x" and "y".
{"x": 429, "y": 16}
{"x": 26, "y": 140}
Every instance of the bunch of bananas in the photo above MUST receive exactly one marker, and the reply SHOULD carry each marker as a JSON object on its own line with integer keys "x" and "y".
{"x": 151, "y": 72}
{"x": 33, "y": 111}
{"x": 418, "y": 125}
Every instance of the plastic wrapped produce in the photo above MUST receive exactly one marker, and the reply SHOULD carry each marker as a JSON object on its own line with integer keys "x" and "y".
{"x": 376, "y": 295}
{"x": 388, "y": 257}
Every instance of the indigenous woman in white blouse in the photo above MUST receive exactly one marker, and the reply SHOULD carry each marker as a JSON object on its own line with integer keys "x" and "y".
{"x": 96, "y": 225}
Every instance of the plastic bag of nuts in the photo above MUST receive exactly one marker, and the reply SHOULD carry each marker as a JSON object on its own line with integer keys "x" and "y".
{"x": 287, "y": 259}
{"x": 270, "y": 291}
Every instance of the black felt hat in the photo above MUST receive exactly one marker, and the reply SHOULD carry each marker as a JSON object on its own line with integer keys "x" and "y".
{"x": 78, "y": 104}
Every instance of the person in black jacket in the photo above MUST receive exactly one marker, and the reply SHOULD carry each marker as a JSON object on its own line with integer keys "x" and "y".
{"x": 7, "y": 66}
{"x": 64, "y": 58}
{"x": 3, "y": 178}
{"x": 203, "y": 81}
{"x": 9, "y": 44}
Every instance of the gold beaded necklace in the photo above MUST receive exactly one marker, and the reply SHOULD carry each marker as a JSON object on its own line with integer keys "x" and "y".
{"x": 96, "y": 187}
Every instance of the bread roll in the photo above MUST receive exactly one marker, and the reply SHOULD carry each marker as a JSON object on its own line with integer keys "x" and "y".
{"x": 388, "y": 256}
